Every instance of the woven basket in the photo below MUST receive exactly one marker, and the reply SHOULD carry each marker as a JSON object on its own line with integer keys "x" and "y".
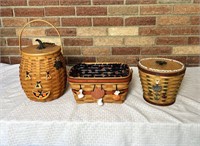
{"x": 100, "y": 82}
{"x": 42, "y": 69}
{"x": 160, "y": 79}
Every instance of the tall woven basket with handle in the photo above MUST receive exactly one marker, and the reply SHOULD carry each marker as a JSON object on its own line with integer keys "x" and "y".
{"x": 161, "y": 79}
{"x": 42, "y": 69}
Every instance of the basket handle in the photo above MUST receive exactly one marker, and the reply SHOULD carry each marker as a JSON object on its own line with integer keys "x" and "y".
{"x": 38, "y": 20}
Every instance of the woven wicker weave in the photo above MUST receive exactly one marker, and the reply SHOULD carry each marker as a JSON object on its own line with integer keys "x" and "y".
{"x": 42, "y": 72}
{"x": 109, "y": 89}
{"x": 160, "y": 79}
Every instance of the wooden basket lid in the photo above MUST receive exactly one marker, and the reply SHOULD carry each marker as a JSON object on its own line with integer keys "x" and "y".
{"x": 161, "y": 65}
{"x": 34, "y": 51}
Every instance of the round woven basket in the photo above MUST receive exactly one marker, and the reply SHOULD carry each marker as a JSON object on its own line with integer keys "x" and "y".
{"x": 42, "y": 69}
{"x": 160, "y": 79}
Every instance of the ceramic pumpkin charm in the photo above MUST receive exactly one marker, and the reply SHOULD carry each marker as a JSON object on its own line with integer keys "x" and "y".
{"x": 116, "y": 95}
{"x": 98, "y": 94}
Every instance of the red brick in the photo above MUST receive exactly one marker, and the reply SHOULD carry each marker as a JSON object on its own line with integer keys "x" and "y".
{"x": 62, "y": 31}
{"x": 108, "y": 41}
{"x": 173, "y": 1}
{"x": 15, "y": 60}
{"x": 76, "y": 22}
{"x": 78, "y": 42}
{"x": 108, "y": 21}
{"x": 193, "y": 60}
{"x": 75, "y": 2}
{"x": 139, "y": 41}
{"x": 173, "y": 20}
{"x": 125, "y": 50}
{"x": 194, "y": 40}
{"x": 155, "y": 10}
{"x": 7, "y": 32}
{"x": 4, "y": 60}
{"x": 10, "y": 51}
{"x": 154, "y": 31}
{"x": 13, "y": 22}
{"x": 186, "y": 30}
{"x": 76, "y": 60}
{"x": 131, "y": 60}
{"x": 195, "y": 20}
{"x": 43, "y": 2}
{"x": 13, "y": 3}
{"x": 72, "y": 51}
{"x": 15, "y": 42}
{"x": 59, "y": 11}
{"x": 30, "y": 32}
{"x": 156, "y": 50}
{"x": 54, "y": 21}
{"x": 2, "y": 41}
{"x": 140, "y": 21}
{"x": 196, "y": 1}
{"x": 140, "y": 1}
{"x": 181, "y": 30}
{"x": 195, "y": 30}
{"x": 186, "y": 9}
{"x": 29, "y": 12}
{"x": 108, "y": 2}
{"x": 122, "y": 10}
{"x": 92, "y": 51}
{"x": 186, "y": 49}
{"x": 171, "y": 41}
{"x": 6, "y": 12}
{"x": 91, "y": 11}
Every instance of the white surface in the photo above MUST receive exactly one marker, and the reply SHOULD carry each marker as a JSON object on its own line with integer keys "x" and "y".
{"x": 63, "y": 122}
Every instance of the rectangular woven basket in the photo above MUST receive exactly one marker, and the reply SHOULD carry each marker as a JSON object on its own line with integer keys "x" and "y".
{"x": 92, "y": 82}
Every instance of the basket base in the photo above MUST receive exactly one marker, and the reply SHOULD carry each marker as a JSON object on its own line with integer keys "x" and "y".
{"x": 81, "y": 102}
{"x": 47, "y": 100}
{"x": 158, "y": 103}
{"x": 43, "y": 100}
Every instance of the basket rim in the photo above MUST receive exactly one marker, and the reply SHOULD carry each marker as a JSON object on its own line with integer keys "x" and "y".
{"x": 161, "y": 73}
{"x": 101, "y": 79}
{"x": 41, "y": 54}
{"x": 152, "y": 70}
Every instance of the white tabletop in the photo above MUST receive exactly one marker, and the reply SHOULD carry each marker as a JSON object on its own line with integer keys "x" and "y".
{"x": 64, "y": 122}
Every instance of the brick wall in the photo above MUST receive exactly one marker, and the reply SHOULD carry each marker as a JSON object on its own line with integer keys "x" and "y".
{"x": 105, "y": 30}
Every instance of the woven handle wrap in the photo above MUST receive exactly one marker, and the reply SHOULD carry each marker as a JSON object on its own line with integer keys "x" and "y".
{"x": 38, "y": 20}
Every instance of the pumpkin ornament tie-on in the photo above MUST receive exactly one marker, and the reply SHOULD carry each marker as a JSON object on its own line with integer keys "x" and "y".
{"x": 98, "y": 93}
{"x": 42, "y": 69}
{"x": 58, "y": 64}
{"x": 116, "y": 95}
